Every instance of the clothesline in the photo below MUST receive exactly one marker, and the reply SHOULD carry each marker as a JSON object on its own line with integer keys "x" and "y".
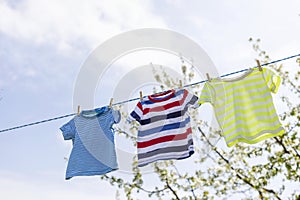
{"x": 134, "y": 99}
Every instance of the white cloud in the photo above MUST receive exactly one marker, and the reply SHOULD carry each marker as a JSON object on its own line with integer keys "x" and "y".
{"x": 223, "y": 28}
{"x": 42, "y": 38}
{"x": 66, "y": 24}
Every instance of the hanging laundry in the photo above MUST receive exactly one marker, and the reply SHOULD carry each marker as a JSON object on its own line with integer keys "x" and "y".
{"x": 244, "y": 107}
{"x": 165, "y": 131}
{"x": 93, "y": 150}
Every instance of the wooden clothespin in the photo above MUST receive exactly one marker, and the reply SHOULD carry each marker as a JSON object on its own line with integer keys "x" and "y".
{"x": 258, "y": 65}
{"x": 141, "y": 95}
{"x": 208, "y": 77}
{"x": 180, "y": 84}
{"x": 111, "y": 102}
{"x": 78, "y": 110}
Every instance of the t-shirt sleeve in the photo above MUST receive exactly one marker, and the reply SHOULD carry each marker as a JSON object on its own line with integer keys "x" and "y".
{"x": 193, "y": 100}
{"x": 116, "y": 116}
{"x": 136, "y": 114}
{"x": 272, "y": 80}
{"x": 206, "y": 94}
{"x": 68, "y": 130}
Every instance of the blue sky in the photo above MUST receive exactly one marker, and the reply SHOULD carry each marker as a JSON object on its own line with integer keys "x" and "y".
{"x": 44, "y": 43}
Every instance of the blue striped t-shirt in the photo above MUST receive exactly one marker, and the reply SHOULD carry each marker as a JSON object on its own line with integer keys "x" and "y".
{"x": 93, "y": 151}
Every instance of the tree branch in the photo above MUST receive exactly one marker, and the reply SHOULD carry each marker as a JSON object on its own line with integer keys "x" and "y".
{"x": 117, "y": 129}
{"x": 192, "y": 190}
{"x": 279, "y": 141}
{"x": 290, "y": 130}
{"x": 241, "y": 177}
{"x": 134, "y": 186}
{"x": 272, "y": 191}
{"x": 172, "y": 190}
{"x": 163, "y": 177}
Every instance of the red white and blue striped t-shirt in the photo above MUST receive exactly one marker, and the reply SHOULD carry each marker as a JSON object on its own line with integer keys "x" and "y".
{"x": 165, "y": 131}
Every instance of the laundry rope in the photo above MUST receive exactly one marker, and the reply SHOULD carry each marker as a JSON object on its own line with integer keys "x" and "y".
{"x": 134, "y": 99}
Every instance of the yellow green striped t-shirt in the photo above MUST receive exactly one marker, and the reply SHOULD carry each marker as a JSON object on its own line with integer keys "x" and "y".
{"x": 244, "y": 107}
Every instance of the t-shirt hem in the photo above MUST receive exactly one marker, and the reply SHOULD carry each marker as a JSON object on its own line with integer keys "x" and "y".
{"x": 190, "y": 153}
{"x": 256, "y": 140}
{"x": 91, "y": 173}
